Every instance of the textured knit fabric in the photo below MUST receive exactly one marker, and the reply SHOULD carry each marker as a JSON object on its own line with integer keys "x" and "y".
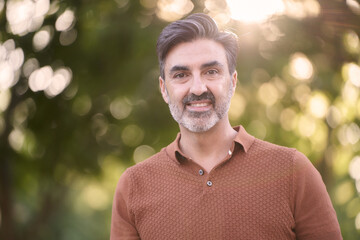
{"x": 259, "y": 191}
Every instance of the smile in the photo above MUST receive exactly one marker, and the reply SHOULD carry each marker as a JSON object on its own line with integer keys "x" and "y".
{"x": 199, "y": 106}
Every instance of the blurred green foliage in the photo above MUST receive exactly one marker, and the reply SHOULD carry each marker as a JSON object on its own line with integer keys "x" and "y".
{"x": 62, "y": 154}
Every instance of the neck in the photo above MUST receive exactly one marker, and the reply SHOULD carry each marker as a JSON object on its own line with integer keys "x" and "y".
{"x": 210, "y": 147}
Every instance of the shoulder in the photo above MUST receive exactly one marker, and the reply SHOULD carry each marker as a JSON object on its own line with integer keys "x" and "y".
{"x": 266, "y": 149}
{"x": 157, "y": 162}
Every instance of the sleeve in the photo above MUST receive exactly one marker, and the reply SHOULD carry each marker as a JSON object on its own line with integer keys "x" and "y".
{"x": 122, "y": 220}
{"x": 315, "y": 217}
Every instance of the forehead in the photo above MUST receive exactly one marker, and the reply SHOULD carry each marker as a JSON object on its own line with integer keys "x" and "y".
{"x": 195, "y": 53}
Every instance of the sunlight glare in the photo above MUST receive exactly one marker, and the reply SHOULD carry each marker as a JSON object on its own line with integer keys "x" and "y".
{"x": 301, "y": 9}
{"x": 256, "y": 10}
{"x": 172, "y": 10}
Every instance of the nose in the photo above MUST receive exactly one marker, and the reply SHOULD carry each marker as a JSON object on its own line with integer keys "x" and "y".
{"x": 198, "y": 85}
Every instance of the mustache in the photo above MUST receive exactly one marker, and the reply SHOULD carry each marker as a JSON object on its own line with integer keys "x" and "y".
{"x": 204, "y": 96}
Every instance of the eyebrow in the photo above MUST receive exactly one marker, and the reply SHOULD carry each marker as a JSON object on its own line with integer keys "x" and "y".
{"x": 211, "y": 64}
{"x": 178, "y": 68}
{"x": 205, "y": 65}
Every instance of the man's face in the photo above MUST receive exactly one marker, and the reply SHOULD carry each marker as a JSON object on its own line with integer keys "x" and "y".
{"x": 198, "y": 86}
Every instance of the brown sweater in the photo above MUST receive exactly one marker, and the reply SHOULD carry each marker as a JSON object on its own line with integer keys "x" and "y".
{"x": 259, "y": 191}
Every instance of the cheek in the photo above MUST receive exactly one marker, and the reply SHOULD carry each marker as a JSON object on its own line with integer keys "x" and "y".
{"x": 176, "y": 94}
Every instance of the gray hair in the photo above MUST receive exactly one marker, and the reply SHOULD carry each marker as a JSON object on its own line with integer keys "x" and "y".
{"x": 195, "y": 26}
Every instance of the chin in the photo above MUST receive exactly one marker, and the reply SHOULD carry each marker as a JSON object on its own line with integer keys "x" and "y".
{"x": 199, "y": 125}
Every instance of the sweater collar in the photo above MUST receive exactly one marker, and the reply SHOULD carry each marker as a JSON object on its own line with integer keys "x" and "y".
{"x": 242, "y": 138}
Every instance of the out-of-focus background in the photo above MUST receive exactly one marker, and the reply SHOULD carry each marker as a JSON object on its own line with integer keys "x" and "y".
{"x": 79, "y": 100}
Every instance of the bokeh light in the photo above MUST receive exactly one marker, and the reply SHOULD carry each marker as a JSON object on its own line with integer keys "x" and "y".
{"x": 302, "y": 9}
{"x": 120, "y": 108}
{"x": 11, "y": 59}
{"x": 82, "y": 105}
{"x": 26, "y": 16}
{"x": 30, "y": 66}
{"x": 132, "y": 135}
{"x": 318, "y": 105}
{"x": 16, "y": 139}
{"x": 351, "y": 42}
{"x": 268, "y": 94}
{"x": 99, "y": 125}
{"x": 306, "y": 126}
{"x": 65, "y": 21}
{"x": 301, "y": 67}
{"x": 351, "y": 72}
{"x": 40, "y": 79}
{"x": 357, "y": 221}
{"x": 68, "y": 37}
{"x": 95, "y": 196}
{"x": 143, "y": 152}
{"x": 2, "y": 4}
{"x": 333, "y": 117}
{"x": 349, "y": 134}
{"x": 354, "y": 6}
{"x": 171, "y": 10}
{"x": 354, "y": 168}
{"x": 42, "y": 38}
{"x": 344, "y": 192}
{"x": 53, "y": 83}
{"x": 5, "y": 97}
{"x": 237, "y": 106}
{"x": 256, "y": 10}
{"x": 287, "y": 119}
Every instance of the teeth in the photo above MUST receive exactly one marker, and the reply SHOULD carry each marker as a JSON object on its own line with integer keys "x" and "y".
{"x": 199, "y": 104}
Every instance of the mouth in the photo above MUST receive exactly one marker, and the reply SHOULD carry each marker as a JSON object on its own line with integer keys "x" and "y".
{"x": 199, "y": 106}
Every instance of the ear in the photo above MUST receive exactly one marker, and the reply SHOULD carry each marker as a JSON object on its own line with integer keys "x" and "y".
{"x": 163, "y": 89}
{"x": 234, "y": 80}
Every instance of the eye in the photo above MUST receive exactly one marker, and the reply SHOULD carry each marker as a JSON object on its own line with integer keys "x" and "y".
{"x": 212, "y": 72}
{"x": 179, "y": 75}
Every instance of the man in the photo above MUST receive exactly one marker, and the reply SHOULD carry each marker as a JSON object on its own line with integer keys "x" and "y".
{"x": 215, "y": 181}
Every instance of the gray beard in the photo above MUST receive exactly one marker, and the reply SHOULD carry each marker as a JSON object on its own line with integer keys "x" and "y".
{"x": 200, "y": 121}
